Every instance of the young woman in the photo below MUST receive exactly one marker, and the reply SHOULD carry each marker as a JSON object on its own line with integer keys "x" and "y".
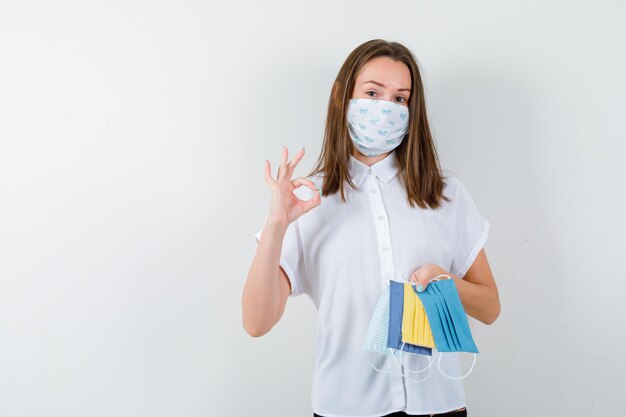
{"x": 376, "y": 207}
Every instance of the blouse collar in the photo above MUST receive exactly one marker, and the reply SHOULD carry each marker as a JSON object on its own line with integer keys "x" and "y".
{"x": 385, "y": 169}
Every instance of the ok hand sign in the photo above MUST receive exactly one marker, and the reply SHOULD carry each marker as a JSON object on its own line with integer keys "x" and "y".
{"x": 285, "y": 206}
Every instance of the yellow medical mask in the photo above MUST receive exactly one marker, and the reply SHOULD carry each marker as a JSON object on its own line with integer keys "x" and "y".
{"x": 415, "y": 325}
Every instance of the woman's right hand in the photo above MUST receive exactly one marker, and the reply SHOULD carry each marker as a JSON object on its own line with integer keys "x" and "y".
{"x": 285, "y": 206}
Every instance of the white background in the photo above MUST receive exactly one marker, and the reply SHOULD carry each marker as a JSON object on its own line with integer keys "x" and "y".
{"x": 132, "y": 140}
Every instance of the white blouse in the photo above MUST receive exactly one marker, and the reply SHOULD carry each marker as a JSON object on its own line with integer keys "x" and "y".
{"x": 343, "y": 254}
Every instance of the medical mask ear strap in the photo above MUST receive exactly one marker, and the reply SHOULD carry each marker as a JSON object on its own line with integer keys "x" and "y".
{"x": 413, "y": 284}
{"x": 430, "y": 362}
{"x": 437, "y": 277}
{"x": 429, "y": 368}
{"x": 451, "y": 377}
{"x": 382, "y": 371}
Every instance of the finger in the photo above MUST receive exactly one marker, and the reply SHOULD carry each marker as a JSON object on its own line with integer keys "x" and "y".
{"x": 421, "y": 282}
{"x": 294, "y": 162}
{"x": 268, "y": 173}
{"x": 301, "y": 181}
{"x": 315, "y": 201}
{"x": 282, "y": 170}
{"x": 317, "y": 194}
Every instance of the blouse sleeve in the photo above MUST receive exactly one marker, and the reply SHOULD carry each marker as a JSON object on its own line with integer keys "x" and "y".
{"x": 291, "y": 257}
{"x": 471, "y": 231}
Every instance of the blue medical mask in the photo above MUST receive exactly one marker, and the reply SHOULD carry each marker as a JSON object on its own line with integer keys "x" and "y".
{"x": 447, "y": 317}
{"x": 376, "y": 126}
{"x": 448, "y": 320}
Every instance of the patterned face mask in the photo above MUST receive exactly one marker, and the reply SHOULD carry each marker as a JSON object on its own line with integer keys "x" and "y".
{"x": 376, "y": 126}
{"x": 377, "y": 332}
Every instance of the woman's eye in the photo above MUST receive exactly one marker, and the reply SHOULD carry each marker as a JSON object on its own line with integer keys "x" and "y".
{"x": 402, "y": 99}
{"x": 368, "y": 93}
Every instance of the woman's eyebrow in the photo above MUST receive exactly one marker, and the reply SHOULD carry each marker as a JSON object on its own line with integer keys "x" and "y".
{"x": 383, "y": 85}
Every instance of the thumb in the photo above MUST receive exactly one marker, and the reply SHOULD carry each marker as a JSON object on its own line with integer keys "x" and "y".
{"x": 420, "y": 282}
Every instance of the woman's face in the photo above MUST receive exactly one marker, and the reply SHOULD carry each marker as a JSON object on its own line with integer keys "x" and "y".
{"x": 384, "y": 79}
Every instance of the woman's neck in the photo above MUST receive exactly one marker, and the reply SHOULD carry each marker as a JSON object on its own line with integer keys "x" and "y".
{"x": 369, "y": 160}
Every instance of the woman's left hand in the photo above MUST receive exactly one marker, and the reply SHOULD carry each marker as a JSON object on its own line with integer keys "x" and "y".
{"x": 425, "y": 273}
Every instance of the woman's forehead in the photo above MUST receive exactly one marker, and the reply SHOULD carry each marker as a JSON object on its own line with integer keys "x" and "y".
{"x": 385, "y": 71}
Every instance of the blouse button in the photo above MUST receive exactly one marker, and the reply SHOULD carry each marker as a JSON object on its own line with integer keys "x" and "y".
{"x": 385, "y": 248}
{"x": 373, "y": 190}
{"x": 369, "y": 171}
{"x": 381, "y": 217}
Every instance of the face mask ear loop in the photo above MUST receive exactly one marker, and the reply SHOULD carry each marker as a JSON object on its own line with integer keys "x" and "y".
{"x": 451, "y": 377}
{"x": 429, "y": 368}
{"x": 382, "y": 371}
{"x": 442, "y": 275}
{"x": 414, "y": 285}
{"x": 430, "y": 362}
{"x": 420, "y": 380}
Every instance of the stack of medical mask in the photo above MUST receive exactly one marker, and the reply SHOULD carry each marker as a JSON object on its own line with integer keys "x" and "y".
{"x": 408, "y": 321}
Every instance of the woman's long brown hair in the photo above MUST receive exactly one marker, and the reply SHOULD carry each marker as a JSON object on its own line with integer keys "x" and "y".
{"x": 418, "y": 163}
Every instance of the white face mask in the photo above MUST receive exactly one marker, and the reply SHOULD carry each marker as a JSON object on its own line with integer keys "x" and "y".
{"x": 376, "y": 126}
